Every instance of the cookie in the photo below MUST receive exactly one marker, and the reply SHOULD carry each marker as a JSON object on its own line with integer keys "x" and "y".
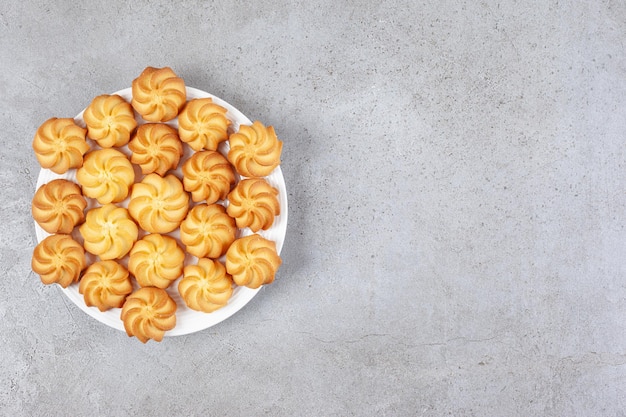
{"x": 255, "y": 150}
{"x": 158, "y": 204}
{"x": 158, "y": 94}
{"x": 206, "y": 286}
{"x": 58, "y": 206}
{"x": 207, "y": 231}
{"x": 60, "y": 144}
{"x": 110, "y": 120}
{"x": 105, "y": 285}
{"x": 58, "y": 259}
{"x": 109, "y": 232}
{"x": 208, "y": 176}
{"x": 252, "y": 261}
{"x": 156, "y": 148}
{"x": 156, "y": 261}
{"x": 148, "y": 313}
{"x": 106, "y": 175}
{"x": 202, "y": 124}
{"x": 254, "y": 204}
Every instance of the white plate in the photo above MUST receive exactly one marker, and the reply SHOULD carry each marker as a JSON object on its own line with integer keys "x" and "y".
{"x": 187, "y": 320}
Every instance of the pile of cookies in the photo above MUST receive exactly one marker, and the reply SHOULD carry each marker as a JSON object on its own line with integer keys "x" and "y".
{"x": 139, "y": 228}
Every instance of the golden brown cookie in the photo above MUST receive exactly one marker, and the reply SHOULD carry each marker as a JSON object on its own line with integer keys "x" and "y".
{"x": 255, "y": 150}
{"x": 110, "y": 120}
{"x": 254, "y": 204}
{"x": 207, "y": 175}
{"x": 58, "y": 259}
{"x": 202, "y": 124}
{"x": 109, "y": 232}
{"x": 106, "y": 175}
{"x": 207, "y": 231}
{"x": 148, "y": 313}
{"x": 156, "y": 148}
{"x": 105, "y": 285}
{"x": 156, "y": 261}
{"x": 252, "y": 261}
{"x": 60, "y": 144}
{"x": 206, "y": 286}
{"x": 58, "y": 206}
{"x": 158, "y": 94}
{"x": 158, "y": 204}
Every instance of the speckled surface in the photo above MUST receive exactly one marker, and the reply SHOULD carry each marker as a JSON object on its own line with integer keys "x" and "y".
{"x": 456, "y": 175}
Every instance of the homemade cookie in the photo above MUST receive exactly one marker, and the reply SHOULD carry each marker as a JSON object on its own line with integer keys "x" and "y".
{"x": 58, "y": 259}
{"x": 110, "y": 120}
{"x": 106, "y": 175}
{"x": 254, "y": 204}
{"x": 148, "y": 313}
{"x": 207, "y": 231}
{"x": 105, "y": 285}
{"x": 60, "y": 144}
{"x": 206, "y": 286}
{"x": 207, "y": 175}
{"x": 202, "y": 124}
{"x": 158, "y": 94}
{"x": 58, "y": 206}
{"x": 156, "y": 148}
{"x": 109, "y": 232}
{"x": 158, "y": 204}
{"x": 156, "y": 261}
{"x": 252, "y": 261}
{"x": 254, "y": 150}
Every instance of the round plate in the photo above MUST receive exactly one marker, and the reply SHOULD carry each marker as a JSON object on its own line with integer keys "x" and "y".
{"x": 187, "y": 320}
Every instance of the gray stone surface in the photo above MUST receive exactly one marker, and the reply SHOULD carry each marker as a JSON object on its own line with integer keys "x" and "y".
{"x": 456, "y": 175}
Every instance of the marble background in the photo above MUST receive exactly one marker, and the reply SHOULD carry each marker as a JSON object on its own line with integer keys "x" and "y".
{"x": 456, "y": 177}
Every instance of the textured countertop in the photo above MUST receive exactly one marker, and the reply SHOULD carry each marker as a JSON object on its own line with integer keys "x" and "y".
{"x": 456, "y": 175}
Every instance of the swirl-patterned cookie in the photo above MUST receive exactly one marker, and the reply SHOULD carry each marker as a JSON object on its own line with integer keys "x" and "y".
{"x": 158, "y": 94}
{"x": 202, "y": 124}
{"x": 58, "y": 259}
{"x": 105, "y": 285}
{"x": 206, "y": 286}
{"x": 255, "y": 150}
{"x": 148, "y": 313}
{"x": 106, "y": 175}
{"x": 158, "y": 204}
{"x": 110, "y": 120}
{"x": 156, "y": 261}
{"x": 156, "y": 148}
{"x": 109, "y": 232}
{"x": 58, "y": 206}
{"x": 252, "y": 261}
{"x": 60, "y": 144}
{"x": 254, "y": 204}
{"x": 207, "y": 175}
{"x": 207, "y": 231}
